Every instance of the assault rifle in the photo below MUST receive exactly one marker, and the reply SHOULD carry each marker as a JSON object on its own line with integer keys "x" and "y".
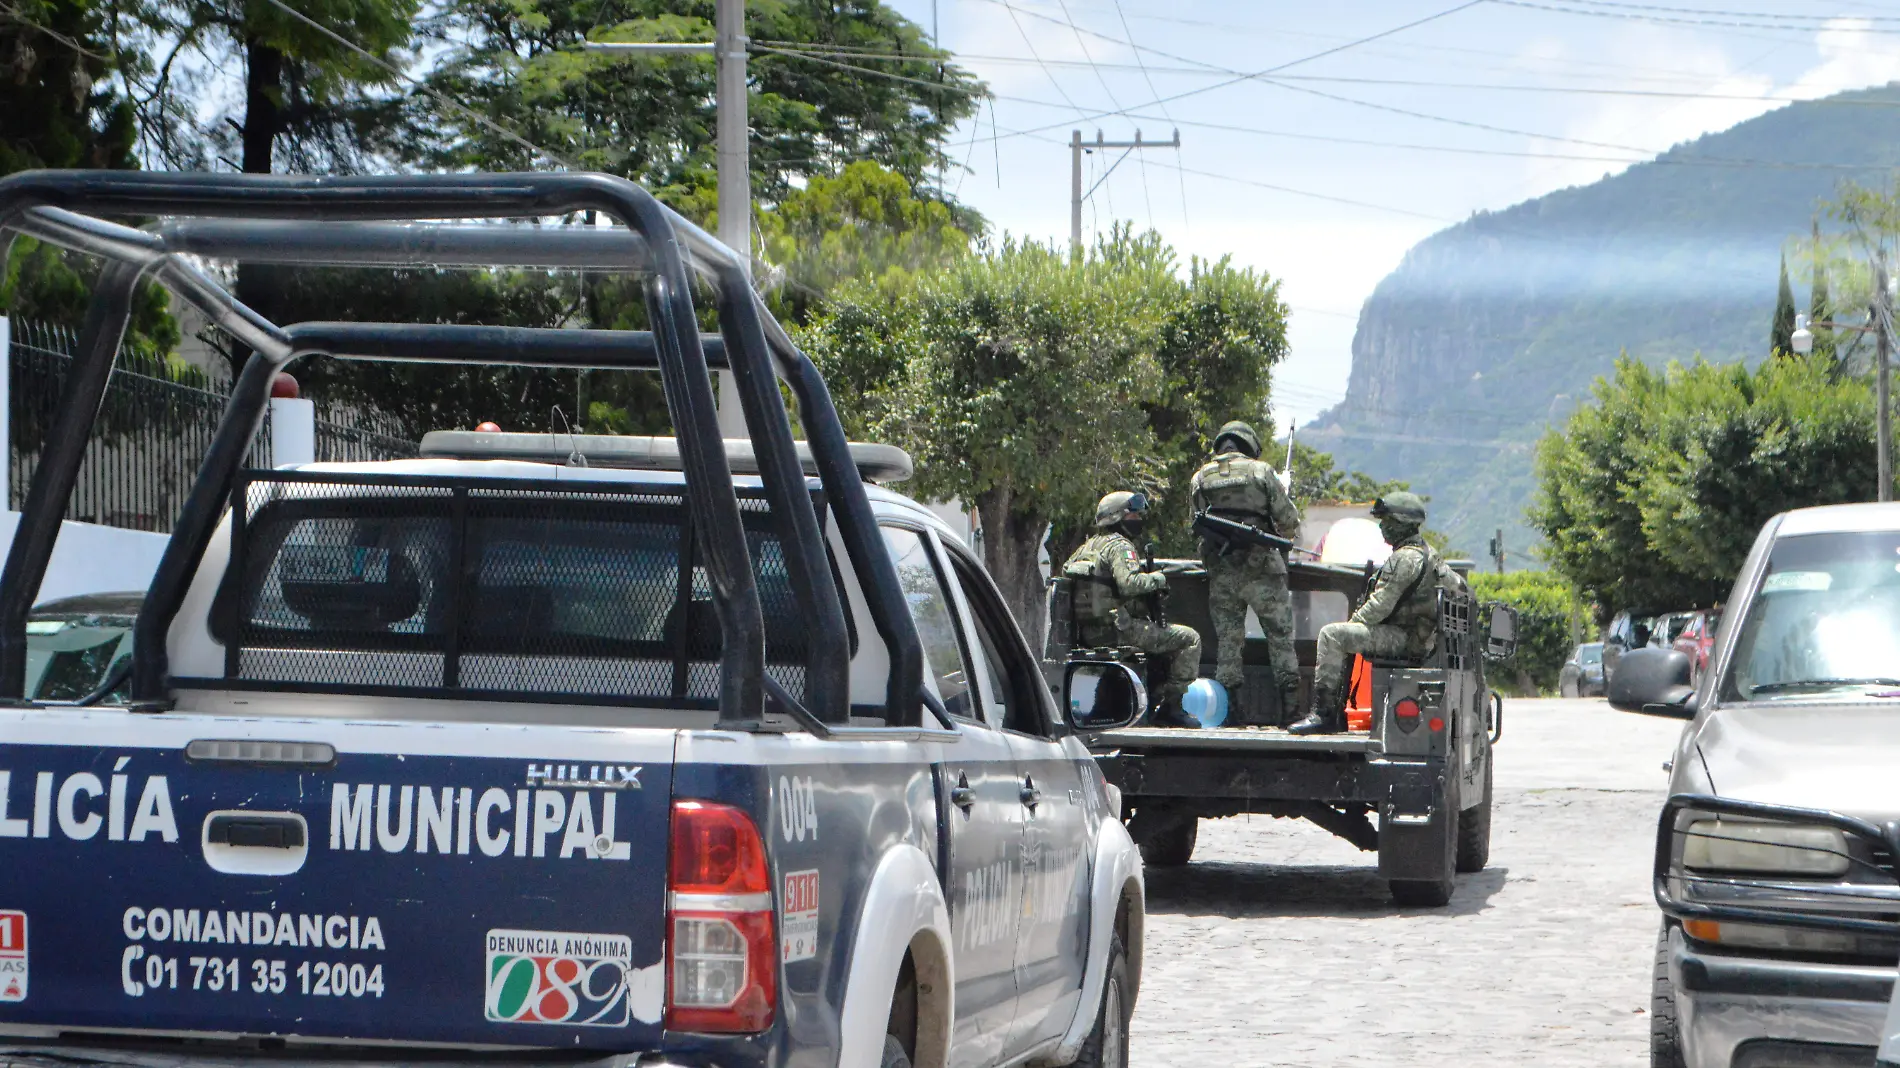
{"x": 1233, "y": 534}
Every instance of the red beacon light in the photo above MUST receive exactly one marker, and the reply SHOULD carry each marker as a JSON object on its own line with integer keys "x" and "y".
{"x": 487, "y": 427}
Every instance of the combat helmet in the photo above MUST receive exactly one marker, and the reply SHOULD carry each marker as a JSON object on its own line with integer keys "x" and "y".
{"x": 1242, "y": 435}
{"x": 1404, "y": 506}
{"x": 1116, "y": 507}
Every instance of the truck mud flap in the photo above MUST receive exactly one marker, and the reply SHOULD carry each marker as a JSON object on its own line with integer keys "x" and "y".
{"x": 1417, "y": 820}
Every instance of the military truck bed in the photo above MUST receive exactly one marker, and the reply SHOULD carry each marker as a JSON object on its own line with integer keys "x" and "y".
{"x": 1231, "y": 740}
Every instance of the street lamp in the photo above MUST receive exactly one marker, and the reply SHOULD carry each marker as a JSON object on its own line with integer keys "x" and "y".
{"x": 1802, "y": 339}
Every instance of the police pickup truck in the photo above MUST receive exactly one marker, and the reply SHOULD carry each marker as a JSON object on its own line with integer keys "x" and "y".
{"x": 1420, "y": 766}
{"x": 547, "y": 749}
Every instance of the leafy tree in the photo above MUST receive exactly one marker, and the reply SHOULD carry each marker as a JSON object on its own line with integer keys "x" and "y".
{"x": 864, "y": 223}
{"x": 1818, "y": 306}
{"x": 1781, "y": 327}
{"x": 1549, "y": 619}
{"x": 1651, "y": 496}
{"x": 1029, "y": 384}
{"x": 520, "y": 63}
{"x": 1317, "y": 478}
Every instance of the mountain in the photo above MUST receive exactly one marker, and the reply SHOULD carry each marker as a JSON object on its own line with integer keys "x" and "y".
{"x": 1492, "y": 330}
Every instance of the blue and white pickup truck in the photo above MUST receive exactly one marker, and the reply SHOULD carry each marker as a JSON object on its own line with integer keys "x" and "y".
{"x": 672, "y": 751}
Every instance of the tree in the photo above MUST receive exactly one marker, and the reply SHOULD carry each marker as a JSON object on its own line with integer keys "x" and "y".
{"x": 1650, "y": 497}
{"x": 1818, "y": 307}
{"x": 1781, "y": 328}
{"x": 1549, "y": 617}
{"x": 520, "y": 64}
{"x": 1318, "y": 479}
{"x": 1028, "y": 384}
{"x": 865, "y": 223}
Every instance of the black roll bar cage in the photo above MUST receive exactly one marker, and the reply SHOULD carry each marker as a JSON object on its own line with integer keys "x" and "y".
{"x": 381, "y": 221}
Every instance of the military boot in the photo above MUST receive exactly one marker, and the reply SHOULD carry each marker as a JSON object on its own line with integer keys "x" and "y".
{"x": 1328, "y": 715}
{"x": 1289, "y": 699}
{"x": 1236, "y": 711}
{"x": 1168, "y": 713}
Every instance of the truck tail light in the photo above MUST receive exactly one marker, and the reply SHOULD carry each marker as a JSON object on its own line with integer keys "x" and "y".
{"x": 1405, "y": 714}
{"x": 722, "y": 971}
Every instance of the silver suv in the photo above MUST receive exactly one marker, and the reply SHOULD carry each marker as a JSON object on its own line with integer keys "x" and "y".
{"x": 1775, "y": 860}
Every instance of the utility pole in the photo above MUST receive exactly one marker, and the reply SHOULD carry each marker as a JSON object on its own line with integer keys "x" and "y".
{"x": 728, "y": 48}
{"x": 1497, "y": 550}
{"x": 1883, "y": 400}
{"x": 1077, "y": 146}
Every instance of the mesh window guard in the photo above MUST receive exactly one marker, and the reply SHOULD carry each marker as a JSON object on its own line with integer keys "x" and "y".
{"x": 485, "y": 588}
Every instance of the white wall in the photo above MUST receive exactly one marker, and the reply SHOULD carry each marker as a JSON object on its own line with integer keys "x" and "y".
{"x": 89, "y": 558}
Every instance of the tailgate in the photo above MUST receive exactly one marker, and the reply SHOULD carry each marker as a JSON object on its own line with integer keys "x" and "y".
{"x": 458, "y": 884}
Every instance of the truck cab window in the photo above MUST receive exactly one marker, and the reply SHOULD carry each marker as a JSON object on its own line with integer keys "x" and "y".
{"x": 936, "y": 622}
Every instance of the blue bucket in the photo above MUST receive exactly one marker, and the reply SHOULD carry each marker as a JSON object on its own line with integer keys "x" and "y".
{"x": 1206, "y": 702}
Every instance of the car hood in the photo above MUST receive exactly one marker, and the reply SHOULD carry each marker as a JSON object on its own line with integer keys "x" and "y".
{"x": 1840, "y": 757}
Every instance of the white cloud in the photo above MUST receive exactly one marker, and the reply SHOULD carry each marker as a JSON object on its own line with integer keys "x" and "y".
{"x": 988, "y": 28}
{"x": 1852, "y": 57}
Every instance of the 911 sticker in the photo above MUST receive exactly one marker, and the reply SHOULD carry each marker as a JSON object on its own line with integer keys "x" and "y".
{"x": 801, "y": 915}
{"x": 12, "y": 956}
{"x": 558, "y": 977}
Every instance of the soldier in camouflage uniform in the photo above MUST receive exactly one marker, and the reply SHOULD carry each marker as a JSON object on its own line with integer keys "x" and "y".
{"x": 1397, "y": 620}
{"x": 1236, "y": 484}
{"x": 1110, "y": 601}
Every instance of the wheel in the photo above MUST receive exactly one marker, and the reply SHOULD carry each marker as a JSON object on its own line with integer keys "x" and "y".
{"x": 1164, "y": 836}
{"x": 1665, "y": 1039}
{"x": 894, "y": 1055}
{"x": 1107, "y": 1044}
{"x": 1420, "y": 893}
{"x": 1569, "y": 687}
{"x": 1474, "y": 829}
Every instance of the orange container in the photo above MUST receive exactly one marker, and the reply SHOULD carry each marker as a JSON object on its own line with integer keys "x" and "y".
{"x": 1359, "y": 696}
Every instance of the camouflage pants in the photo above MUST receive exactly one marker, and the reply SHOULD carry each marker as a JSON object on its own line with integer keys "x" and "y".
{"x": 1180, "y": 646}
{"x": 1339, "y": 641}
{"x": 1232, "y": 588}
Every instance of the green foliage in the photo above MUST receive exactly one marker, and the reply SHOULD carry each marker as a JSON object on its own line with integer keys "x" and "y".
{"x": 865, "y": 223}
{"x": 1549, "y": 619}
{"x": 1318, "y": 479}
{"x": 1781, "y": 326}
{"x": 1650, "y": 497}
{"x": 1028, "y": 383}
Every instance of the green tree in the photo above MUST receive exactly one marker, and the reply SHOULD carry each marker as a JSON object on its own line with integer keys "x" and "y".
{"x": 1549, "y": 620}
{"x": 1781, "y": 328}
{"x": 1818, "y": 307}
{"x": 864, "y": 223}
{"x": 1318, "y": 479}
{"x": 1650, "y": 496}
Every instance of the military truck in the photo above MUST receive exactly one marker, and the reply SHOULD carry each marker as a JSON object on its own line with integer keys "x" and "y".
{"x": 1415, "y": 787}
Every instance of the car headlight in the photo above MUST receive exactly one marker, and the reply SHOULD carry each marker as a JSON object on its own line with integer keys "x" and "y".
{"x": 1779, "y": 848}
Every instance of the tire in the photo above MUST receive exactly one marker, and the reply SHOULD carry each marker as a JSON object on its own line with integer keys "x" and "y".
{"x": 1570, "y": 688}
{"x": 1107, "y": 1044}
{"x": 1665, "y": 1037}
{"x": 894, "y": 1055}
{"x": 1474, "y": 829}
{"x": 1164, "y": 836}
{"x": 1420, "y": 893}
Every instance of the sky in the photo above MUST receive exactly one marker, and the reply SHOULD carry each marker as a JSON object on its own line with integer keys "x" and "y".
{"x": 1381, "y": 122}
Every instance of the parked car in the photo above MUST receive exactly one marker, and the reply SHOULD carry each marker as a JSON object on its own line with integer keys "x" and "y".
{"x": 1666, "y": 628}
{"x": 1773, "y": 868}
{"x": 75, "y": 644}
{"x": 1696, "y": 639}
{"x": 1582, "y": 674}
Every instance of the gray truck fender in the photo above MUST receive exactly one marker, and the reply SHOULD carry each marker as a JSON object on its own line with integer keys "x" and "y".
{"x": 1117, "y": 870}
{"x": 903, "y": 910}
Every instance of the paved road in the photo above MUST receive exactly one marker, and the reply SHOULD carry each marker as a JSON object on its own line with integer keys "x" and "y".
{"x": 1280, "y": 946}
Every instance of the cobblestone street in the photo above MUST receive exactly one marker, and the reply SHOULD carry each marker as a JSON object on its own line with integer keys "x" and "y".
{"x": 1280, "y": 946}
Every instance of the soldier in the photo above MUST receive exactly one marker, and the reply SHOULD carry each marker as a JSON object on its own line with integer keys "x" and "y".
{"x": 1236, "y": 484}
{"x": 1398, "y": 619}
{"x": 1111, "y": 601}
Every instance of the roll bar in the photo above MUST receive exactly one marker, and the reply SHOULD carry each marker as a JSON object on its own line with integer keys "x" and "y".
{"x": 385, "y": 221}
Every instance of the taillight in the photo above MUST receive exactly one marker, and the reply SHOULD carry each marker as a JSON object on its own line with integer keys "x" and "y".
{"x": 722, "y": 973}
{"x": 1405, "y": 714}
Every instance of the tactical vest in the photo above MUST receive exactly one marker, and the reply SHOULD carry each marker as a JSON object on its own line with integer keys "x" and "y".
{"x": 1232, "y": 488}
{"x": 1093, "y": 594}
{"x": 1417, "y": 610}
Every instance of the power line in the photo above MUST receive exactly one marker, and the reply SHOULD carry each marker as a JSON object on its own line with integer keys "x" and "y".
{"x": 1680, "y": 20}
{"x": 1736, "y": 14}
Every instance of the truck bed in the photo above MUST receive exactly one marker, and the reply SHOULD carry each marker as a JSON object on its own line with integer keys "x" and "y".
{"x": 1231, "y": 740}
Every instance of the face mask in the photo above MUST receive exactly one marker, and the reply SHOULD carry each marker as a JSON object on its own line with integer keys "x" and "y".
{"x": 1393, "y": 531}
{"x": 1132, "y": 526}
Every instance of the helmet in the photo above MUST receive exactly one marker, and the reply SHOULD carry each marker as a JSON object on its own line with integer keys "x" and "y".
{"x": 1118, "y": 506}
{"x": 1242, "y": 435}
{"x": 1403, "y": 506}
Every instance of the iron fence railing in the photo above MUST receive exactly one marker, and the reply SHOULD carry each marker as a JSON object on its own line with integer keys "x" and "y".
{"x": 150, "y": 437}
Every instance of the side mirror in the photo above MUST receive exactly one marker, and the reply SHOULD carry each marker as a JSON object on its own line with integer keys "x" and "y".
{"x": 1501, "y": 640}
{"x": 1653, "y": 680}
{"x": 1102, "y": 695}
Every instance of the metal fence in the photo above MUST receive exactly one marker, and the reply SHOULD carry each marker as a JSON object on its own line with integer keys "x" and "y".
{"x": 149, "y": 439}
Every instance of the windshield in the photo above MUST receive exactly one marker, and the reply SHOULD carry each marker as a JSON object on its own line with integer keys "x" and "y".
{"x": 1825, "y": 621}
{"x": 1590, "y": 654}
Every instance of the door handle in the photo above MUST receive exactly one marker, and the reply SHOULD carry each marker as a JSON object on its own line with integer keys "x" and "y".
{"x": 961, "y": 795}
{"x": 255, "y": 832}
{"x": 1030, "y": 795}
